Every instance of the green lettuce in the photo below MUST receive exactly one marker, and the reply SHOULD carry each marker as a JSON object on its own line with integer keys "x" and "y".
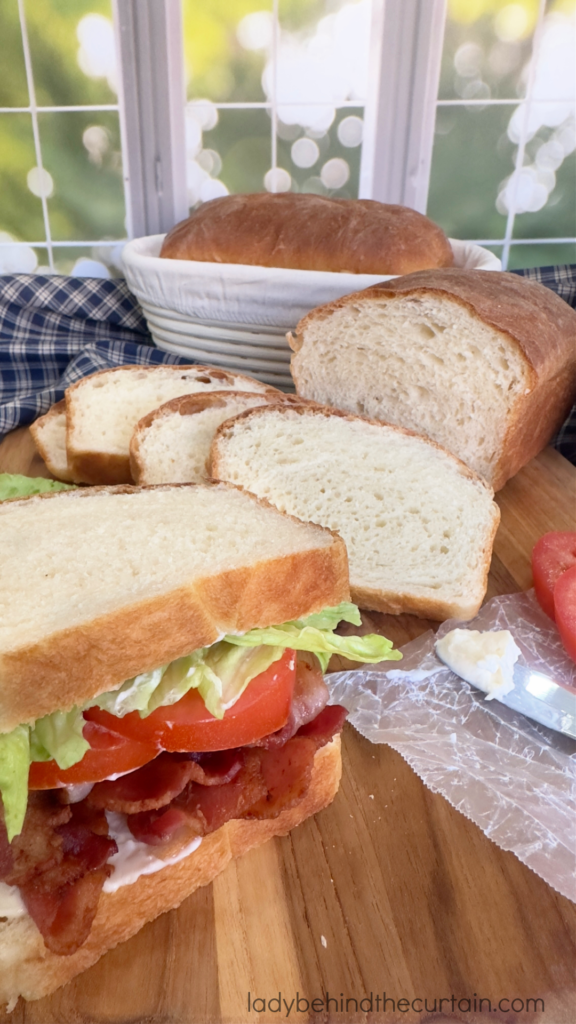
{"x": 14, "y": 485}
{"x": 59, "y": 737}
{"x": 220, "y": 673}
{"x": 14, "y": 765}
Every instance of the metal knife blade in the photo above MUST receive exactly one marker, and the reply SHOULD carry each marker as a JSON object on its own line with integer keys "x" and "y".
{"x": 541, "y": 698}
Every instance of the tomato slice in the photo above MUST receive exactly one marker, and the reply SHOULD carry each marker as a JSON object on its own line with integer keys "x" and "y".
{"x": 553, "y": 554}
{"x": 565, "y": 609}
{"x": 110, "y": 753}
{"x": 263, "y": 708}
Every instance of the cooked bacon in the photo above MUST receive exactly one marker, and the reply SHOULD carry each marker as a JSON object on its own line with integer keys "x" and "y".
{"x": 64, "y": 916}
{"x": 59, "y": 863}
{"x": 160, "y": 781}
{"x": 204, "y": 807}
{"x": 309, "y": 698}
{"x": 286, "y": 773}
{"x": 269, "y": 781}
{"x": 326, "y": 725}
{"x": 38, "y": 847}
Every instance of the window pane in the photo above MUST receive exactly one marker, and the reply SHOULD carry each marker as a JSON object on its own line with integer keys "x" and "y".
{"x": 325, "y": 162}
{"x": 546, "y": 192}
{"x": 472, "y": 155}
{"x": 539, "y": 255}
{"x": 81, "y": 153}
{"x": 487, "y": 46}
{"x": 20, "y": 208}
{"x": 226, "y": 45}
{"x": 83, "y": 261}
{"x": 13, "y": 88}
{"x": 239, "y": 146}
{"x": 72, "y": 51}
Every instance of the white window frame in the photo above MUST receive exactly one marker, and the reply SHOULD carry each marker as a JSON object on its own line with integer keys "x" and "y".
{"x": 399, "y": 113}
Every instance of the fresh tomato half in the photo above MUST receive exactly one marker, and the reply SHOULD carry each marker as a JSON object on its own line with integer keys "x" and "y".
{"x": 110, "y": 753}
{"x": 187, "y": 725}
{"x": 553, "y": 554}
{"x": 565, "y": 609}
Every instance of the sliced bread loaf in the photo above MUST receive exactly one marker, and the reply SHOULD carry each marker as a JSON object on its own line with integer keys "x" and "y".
{"x": 418, "y": 524}
{"x": 102, "y": 412}
{"x": 49, "y": 436}
{"x": 172, "y": 444}
{"x": 483, "y": 363}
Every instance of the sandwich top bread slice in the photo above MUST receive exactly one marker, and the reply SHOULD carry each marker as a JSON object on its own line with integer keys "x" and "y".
{"x": 49, "y": 436}
{"x": 162, "y": 706}
{"x": 418, "y": 524}
{"x": 483, "y": 363}
{"x": 103, "y": 410}
{"x": 172, "y": 444}
{"x": 308, "y": 232}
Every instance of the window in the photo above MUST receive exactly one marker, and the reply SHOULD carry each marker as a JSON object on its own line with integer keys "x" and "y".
{"x": 338, "y": 97}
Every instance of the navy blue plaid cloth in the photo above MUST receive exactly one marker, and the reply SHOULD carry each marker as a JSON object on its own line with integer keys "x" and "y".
{"x": 55, "y": 330}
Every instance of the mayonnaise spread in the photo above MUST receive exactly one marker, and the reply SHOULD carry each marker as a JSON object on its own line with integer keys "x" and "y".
{"x": 133, "y": 858}
{"x": 11, "y": 902}
{"x": 485, "y": 660}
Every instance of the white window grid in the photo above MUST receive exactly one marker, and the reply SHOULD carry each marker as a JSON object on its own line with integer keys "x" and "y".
{"x": 396, "y": 156}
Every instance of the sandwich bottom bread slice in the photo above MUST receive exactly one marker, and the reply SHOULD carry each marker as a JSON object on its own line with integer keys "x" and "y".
{"x": 162, "y": 706}
{"x": 418, "y": 524}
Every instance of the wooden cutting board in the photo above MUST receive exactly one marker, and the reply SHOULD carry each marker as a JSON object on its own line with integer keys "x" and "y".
{"x": 388, "y": 891}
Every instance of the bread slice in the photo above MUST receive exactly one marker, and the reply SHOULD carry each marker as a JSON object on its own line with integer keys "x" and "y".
{"x": 49, "y": 436}
{"x": 172, "y": 444}
{"x": 99, "y": 584}
{"x": 103, "y": 410}
{"x": 418, "y": 524}
{"x": 483, "y": 363}
{"x": 28, "y": 969}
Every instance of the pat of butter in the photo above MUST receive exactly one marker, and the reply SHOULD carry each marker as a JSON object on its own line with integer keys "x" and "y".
{"x": 485, "y": 660}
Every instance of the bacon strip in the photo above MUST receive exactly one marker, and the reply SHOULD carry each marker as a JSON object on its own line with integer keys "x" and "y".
{"x": 59, "y": 863}
{"x": 309, "y": 698}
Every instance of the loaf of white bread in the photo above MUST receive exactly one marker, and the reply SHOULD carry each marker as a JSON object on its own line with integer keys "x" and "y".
{"x": 308, "y": 232}
{"x": 418, "y": 524}
{"x": 483, "y": 363}
{"x": 121, "y": 580}
{"x": 86, "y": 438}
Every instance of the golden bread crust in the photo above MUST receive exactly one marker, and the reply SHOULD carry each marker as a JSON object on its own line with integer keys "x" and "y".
{"x": 309, "y": 232}
{"x": 75, "y": 664}
{"x": 37, "y": 432}
{"x": 28, "y": 969}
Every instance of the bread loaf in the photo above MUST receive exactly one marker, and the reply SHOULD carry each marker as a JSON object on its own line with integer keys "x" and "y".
{"x": 309, "y": 232}
{"x": 102, "y": 412}
{"x": 483, "y": 363}
{"x": 418, "y": 525}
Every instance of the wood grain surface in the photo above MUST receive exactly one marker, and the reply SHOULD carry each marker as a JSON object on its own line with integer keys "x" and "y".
{"x": 389, "y": 892}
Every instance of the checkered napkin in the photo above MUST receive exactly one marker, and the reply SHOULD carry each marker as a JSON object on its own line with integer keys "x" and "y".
{"x": 55, "y": 330}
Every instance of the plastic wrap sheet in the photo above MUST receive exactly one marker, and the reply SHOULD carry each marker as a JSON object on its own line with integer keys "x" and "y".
{"x": 514, "y": 778}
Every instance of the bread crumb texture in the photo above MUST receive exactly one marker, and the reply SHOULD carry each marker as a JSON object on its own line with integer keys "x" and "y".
{"x": 417, "y": 524}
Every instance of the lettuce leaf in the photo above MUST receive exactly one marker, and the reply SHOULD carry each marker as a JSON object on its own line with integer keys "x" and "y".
{"x": 14, "y": 485}
{"x": 14, "y": 767}
{"x": 59, "y": 736}
{"x": 323, "y": 643}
